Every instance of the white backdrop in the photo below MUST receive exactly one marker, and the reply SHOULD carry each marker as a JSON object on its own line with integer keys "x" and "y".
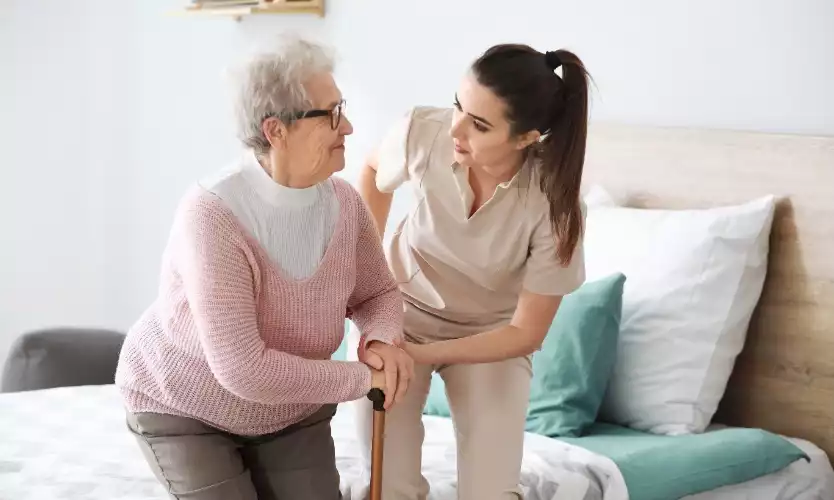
{"x": 109, "y": 109}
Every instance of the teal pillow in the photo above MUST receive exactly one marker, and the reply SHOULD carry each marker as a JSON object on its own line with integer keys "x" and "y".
{"x": 341, "y": 352}
{"x": 436, "y": 403}
{"x": 572, "y": 368}
{"x": 659, "y": 467}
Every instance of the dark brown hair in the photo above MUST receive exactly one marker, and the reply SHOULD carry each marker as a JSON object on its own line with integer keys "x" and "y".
{"x": 537, "y": 98}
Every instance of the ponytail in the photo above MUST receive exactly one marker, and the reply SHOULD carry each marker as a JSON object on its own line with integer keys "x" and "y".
{"x": 539, "y": 99}
{"x": 563, "y": 152}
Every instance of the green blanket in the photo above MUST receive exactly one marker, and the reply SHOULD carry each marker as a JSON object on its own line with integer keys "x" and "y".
{"x": 670, "y": 467}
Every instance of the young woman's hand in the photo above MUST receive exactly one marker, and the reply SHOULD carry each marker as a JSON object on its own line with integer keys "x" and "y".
{"x": 398, "y": 368}
{"x": 420, "y": 353}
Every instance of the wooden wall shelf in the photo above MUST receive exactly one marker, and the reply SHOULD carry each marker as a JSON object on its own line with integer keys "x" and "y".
{"x": 238, "y": 11}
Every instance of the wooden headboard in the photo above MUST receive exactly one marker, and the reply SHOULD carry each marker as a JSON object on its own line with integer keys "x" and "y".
{"x": 784, "y": 378}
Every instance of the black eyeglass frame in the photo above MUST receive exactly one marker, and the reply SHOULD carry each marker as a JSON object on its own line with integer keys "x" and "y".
{"x": 335, "y": 114}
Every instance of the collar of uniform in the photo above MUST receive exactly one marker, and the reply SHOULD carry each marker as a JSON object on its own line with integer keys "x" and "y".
{"x": 521, "y": 179}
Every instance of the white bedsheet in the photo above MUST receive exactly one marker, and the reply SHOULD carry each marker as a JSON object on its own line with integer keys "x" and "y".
{"x": 72, "y": 444}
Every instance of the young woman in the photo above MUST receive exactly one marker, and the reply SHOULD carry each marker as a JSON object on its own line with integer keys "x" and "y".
{"x": 485, "y": 255}
{"x": 227, "y": 378}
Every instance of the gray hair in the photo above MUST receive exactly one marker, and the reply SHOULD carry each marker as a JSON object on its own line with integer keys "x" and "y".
{"x": 271, "y": 83}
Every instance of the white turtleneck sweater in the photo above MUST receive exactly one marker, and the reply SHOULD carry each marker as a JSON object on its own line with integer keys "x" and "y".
{"x": 294, "y": 226}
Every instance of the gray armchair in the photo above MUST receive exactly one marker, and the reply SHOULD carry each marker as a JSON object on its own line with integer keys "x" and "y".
{"x": 61, "y": 357}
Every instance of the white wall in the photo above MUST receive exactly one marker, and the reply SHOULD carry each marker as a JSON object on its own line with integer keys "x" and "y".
{"x": 109, "y": 109}
{"x": 63, "y": 137}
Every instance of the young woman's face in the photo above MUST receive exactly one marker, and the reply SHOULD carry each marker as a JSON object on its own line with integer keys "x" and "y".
{"x": 481, "y": 132}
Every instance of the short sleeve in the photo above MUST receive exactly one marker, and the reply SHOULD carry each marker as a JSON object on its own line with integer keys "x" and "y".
{"x": 545, "y": 274}
{"x": 392, "y": 156}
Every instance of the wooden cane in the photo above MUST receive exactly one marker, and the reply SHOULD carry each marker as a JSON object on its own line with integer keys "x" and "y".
{"x": 377, "y": 443}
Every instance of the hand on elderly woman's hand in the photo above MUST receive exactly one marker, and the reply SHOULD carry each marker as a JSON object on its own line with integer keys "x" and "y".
{"x": 397, "y": 366}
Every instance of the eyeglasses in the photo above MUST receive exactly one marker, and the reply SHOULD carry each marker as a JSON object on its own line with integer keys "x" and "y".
{"x": 335, "y": 114}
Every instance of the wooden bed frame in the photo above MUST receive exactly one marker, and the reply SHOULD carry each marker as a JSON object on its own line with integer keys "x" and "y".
{"x": 784, "y": 379}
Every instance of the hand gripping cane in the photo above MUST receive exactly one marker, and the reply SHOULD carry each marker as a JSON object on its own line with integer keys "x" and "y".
{"x": 377, "y": 443}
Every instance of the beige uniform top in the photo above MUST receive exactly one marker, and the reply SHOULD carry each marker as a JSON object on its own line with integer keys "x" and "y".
{"x": 466, "y": 270}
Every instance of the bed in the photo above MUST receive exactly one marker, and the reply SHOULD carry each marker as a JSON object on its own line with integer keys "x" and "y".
{"x": 69, "y": 443}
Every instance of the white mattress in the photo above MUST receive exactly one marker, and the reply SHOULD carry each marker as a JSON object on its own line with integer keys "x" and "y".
{"x": 72, "y": 444}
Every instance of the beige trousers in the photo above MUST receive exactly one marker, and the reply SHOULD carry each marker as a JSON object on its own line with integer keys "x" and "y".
{"x": 488, "y": 403}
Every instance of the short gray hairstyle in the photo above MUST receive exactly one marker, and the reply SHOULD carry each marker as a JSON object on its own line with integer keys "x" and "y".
{"x": 271, "y": 83}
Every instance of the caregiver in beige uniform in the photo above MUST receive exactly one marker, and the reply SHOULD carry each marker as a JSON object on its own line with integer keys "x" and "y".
{"x": 484, "y": 257}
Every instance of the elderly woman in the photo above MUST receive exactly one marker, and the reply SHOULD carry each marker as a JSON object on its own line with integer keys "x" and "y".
{"x": 227, "y": 377}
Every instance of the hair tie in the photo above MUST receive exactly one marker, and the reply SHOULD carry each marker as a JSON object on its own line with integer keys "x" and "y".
{"x": 551, "y": 58}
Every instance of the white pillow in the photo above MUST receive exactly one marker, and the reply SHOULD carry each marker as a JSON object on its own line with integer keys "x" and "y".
{"x": 693, "y": 280}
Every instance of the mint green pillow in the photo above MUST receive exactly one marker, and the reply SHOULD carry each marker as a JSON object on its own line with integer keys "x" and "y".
{"x": 341, "y": 352}
{"x": 572, "y": 368}
{"x": 437, "y": 404}
{"x": 659, "y": 467}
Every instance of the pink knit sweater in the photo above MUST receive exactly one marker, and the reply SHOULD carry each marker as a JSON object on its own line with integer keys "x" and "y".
{"x": 234, "y": 343}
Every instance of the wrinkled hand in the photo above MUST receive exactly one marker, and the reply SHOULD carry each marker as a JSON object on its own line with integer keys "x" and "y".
{"x": 397, "y": 366}
{"x": 370, "y": 358}
{"x": 378, "y": 379}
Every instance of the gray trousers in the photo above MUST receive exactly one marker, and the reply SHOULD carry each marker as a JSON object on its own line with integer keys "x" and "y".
{"x": 197, "y": 462}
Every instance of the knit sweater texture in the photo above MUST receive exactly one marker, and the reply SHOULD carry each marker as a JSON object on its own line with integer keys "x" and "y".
{"x": 234, "y": 341}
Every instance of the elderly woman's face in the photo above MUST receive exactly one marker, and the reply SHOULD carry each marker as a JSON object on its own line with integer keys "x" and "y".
{"x": 316, "y": 150}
